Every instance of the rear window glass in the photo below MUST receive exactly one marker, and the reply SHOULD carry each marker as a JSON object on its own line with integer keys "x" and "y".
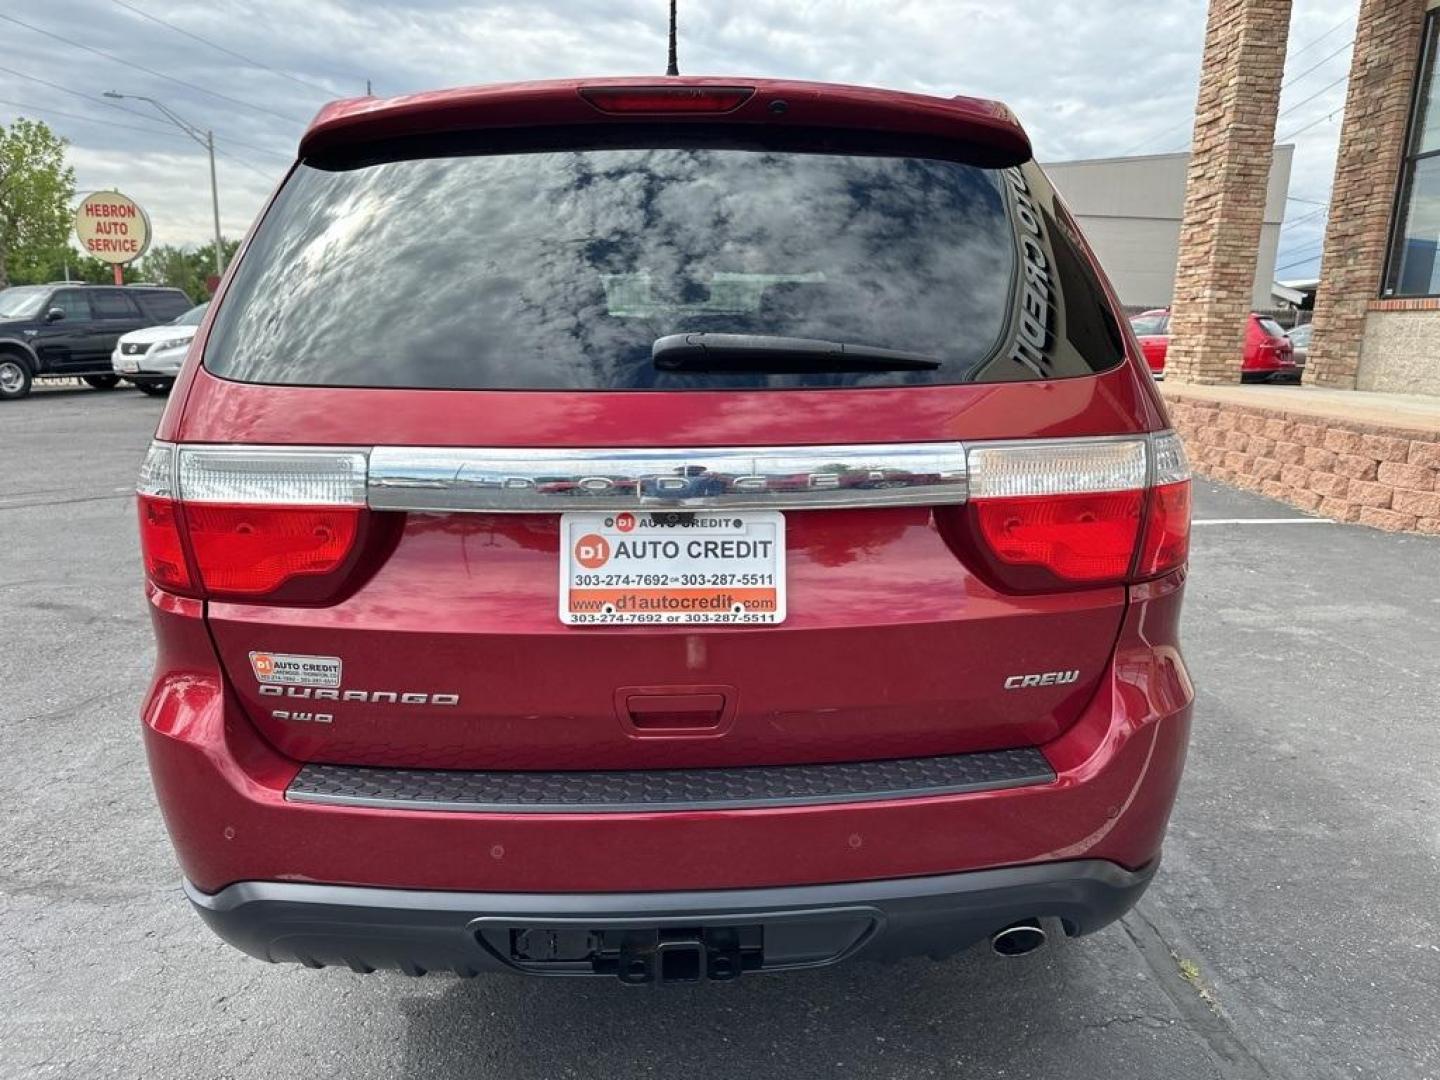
{"x": 112, "y": 304}
{"x": 559, "y": 269}
{"x": 163, "y": 304}
{"x": 1271, "y": 327}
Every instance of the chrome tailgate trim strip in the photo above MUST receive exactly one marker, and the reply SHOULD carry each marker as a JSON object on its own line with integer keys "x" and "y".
{"x": 511, "y": 480}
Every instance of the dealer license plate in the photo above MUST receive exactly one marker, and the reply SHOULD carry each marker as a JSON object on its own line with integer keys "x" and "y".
{"x": 677, "y": 568}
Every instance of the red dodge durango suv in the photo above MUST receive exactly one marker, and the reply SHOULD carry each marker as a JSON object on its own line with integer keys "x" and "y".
{"x": 663, "y": 529}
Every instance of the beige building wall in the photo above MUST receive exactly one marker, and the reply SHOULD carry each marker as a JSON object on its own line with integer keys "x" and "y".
{"x": 1130, "y": 210}
{"x": 1400, "y": 352}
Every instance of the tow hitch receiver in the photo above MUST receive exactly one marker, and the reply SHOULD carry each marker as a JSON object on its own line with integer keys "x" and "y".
{"x": 640, "y": 956}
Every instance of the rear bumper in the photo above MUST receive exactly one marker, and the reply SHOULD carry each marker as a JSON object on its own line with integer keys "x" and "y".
{"x": 1111, "y": 782}
{"x": 799, "y": 926}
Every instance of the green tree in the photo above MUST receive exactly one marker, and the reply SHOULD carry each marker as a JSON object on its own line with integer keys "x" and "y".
{"x": 184, "y": 269}
{"x": 67, "y": 264}
{"x": 36, "y": 190}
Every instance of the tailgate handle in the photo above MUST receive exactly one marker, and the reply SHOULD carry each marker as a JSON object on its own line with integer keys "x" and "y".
{"x": 676, "y": 712}
{"x": 684, "y": 711}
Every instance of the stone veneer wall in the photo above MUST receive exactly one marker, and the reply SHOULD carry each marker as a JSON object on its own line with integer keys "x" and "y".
{"x": 1226, "y": 186}
{"x": 1367, "y": 170}
{"x": 1388, "y": 478}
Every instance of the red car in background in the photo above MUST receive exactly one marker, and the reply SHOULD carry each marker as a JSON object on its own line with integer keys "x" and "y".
{"x": 664, "y": 530}
{"x": 1268, "y": 355}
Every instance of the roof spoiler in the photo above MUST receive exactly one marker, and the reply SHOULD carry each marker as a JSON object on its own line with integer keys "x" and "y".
{"x": 984, "y": 126}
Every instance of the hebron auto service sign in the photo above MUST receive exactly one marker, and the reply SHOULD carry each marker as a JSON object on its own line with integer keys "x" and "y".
{"x": 112, "y": 227}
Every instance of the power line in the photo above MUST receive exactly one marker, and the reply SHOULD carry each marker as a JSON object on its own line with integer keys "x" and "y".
{"x": 135, "y": 112}
{"x": 149, "y": 71}
{"x": 1313, "y": 123}
{"x": 1312, "y": 202}
{"x": 1308, "y": 217}
{"x": 1302, "y": 262}
{"x": 1297, "y": 78}
{"x": 45, "y": 111}
{"x": 1306, "y": 101}
{"x": 1307, "y": 246}
{"x": 328, "y": 93}
{"x": 242, "y": 162}
{"x": 80, "y": 94}
{"x": 1319, "y": 250}
{"x": 1316, "y": 41}
{"x": 1293, "y": 56}
{"x": 1312, "y": 97}
{"x": 26, "y": 107}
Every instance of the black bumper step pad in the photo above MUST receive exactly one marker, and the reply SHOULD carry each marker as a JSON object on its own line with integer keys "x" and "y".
{"x": 633, "y": 791}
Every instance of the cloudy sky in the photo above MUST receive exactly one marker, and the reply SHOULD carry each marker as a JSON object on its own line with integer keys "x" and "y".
{"x": 1087, "y": 79}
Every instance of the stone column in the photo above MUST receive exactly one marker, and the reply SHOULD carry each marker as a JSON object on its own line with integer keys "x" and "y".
{"x": 1367, "y": 169}
{"x": 1225, "y": 189}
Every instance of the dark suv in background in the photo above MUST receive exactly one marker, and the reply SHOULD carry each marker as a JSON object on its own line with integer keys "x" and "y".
{"x": 67, "y": 330}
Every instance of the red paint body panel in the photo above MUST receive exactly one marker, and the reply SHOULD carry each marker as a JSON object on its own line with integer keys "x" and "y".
{"x": 892, "y": 649}
{"x": 221, "y": 787}
{"x": 218, "y": 410}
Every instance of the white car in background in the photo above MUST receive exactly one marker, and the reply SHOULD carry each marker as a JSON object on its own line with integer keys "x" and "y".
{"x": 151, "y": 358}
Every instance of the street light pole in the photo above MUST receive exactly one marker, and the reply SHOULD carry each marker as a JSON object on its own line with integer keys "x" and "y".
{"x": 205, "y": 139}
{"x": 214, "y": 201}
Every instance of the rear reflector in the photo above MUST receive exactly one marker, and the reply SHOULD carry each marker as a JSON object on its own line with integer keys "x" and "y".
{"x": 667, "y": 99}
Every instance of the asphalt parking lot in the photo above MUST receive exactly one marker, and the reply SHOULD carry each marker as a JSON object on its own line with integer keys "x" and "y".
{"x": 1294, "y": 931}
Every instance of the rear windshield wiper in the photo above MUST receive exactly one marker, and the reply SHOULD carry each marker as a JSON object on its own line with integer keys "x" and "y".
{"x": 779, "y": 355}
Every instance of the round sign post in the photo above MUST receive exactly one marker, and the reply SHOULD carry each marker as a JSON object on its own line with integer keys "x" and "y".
{"x": 113, "y": 228}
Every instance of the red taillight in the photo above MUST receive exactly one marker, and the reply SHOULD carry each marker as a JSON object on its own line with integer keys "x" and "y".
{"x": 249, "y": 551}
{"x": 245, "y": 523}
{"x": 1055, "y": 514}
{"x": 667, "y": 99}
{"x": 161, "y": 546}
{"x": 1076, "y": 537}
{"x": 1167, "y": 530}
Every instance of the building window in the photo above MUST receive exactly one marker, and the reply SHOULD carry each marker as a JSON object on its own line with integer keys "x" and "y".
{"x": 1414, "y": 263}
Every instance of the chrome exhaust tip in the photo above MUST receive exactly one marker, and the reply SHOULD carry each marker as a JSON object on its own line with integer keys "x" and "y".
{"x": 1019, "y": 938}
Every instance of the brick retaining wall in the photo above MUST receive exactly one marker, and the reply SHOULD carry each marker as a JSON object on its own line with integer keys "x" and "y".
{"x": 1388, "y": 478}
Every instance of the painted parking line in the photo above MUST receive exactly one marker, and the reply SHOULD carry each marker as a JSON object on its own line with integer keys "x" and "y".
{"x": 1263, "y": 521}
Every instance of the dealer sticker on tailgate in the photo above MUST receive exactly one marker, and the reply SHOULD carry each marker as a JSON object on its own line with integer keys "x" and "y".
{"x": 672, "y": 567}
